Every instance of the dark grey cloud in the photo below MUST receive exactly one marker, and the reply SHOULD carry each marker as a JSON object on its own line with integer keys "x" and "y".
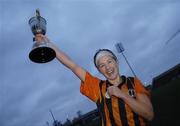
{"x": 29, "y": 90}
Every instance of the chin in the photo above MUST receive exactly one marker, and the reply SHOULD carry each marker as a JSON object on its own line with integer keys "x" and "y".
{"x": 111, "y": 77}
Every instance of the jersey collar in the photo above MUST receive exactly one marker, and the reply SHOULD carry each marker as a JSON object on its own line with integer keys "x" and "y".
{"x": 119, "y": 85}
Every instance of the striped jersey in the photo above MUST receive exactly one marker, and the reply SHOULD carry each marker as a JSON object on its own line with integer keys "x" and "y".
{"x": 114, "y": 111}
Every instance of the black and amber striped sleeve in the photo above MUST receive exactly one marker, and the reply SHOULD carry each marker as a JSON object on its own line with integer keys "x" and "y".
{"x": 90, "y": 87}
{"x": 139, "y": 87}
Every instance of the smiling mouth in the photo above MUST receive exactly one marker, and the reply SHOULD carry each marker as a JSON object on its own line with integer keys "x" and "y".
{"x": 109, "y": 72}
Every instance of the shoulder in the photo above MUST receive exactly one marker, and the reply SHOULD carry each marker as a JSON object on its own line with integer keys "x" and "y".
{"x": 140, "y": 88}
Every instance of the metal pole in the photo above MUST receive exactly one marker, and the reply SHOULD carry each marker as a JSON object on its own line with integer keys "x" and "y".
{"x": 173, "y": 36}
{"x": 120, "y": 49}
{"x": 47, "y": 123}
{"x": 129, "y": 64}
{"x": 52, "y": 114}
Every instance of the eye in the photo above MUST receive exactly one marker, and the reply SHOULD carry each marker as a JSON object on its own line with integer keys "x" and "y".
{"x": 110, "y": 61}
{"x": 101, "y": 65}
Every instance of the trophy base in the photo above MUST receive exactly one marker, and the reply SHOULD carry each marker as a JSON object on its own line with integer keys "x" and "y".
{"x": 42, "y": 55}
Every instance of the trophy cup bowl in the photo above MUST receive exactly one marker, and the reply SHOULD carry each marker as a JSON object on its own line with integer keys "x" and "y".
{"x": 41, "y": 52}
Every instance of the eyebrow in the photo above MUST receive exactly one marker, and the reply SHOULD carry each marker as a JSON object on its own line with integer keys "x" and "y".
{"x": 109, "y": 59}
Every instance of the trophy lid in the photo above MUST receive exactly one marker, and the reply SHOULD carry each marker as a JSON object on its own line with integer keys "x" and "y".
{"x": 37, "y": 17}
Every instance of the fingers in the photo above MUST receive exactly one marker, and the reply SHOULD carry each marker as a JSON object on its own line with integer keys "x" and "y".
{"x": 41, "y": 37}
{"x": 110, "y": 90}
{"x": 38, "y": 37}
{"x": 114, "y": 90}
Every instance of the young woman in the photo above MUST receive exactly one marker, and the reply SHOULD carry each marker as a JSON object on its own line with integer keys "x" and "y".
{"x": 122, "y": 101}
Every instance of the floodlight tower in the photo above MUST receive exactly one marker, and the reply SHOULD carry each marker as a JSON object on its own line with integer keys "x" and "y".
{"x": 120, "y": 49}
{"x": 47, "y": 123}
{"x": 52, "y": 114}
{"x": 55, "y": 123}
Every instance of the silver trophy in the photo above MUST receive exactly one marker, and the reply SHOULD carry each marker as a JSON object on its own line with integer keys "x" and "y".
{"x": 41, "y": 51}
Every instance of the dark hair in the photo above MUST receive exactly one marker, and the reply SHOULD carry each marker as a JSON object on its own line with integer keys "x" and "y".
{"x": 98, "y": 51}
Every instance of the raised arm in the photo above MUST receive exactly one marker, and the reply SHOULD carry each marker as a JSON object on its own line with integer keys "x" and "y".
{"x": 64, "y": 59}
{"x": 76, "y": 69}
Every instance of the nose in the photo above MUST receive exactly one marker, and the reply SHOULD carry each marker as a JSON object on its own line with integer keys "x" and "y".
{"x": 107, "y": 66}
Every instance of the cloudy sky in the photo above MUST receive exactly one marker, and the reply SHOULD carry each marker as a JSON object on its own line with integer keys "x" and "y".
{"x": 79, "y": 27}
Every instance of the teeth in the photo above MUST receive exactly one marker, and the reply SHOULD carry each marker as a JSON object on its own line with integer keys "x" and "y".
{"x": 109, "y": 72}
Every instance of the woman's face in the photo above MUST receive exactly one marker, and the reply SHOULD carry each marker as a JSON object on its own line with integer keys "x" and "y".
{"x": 108, "y": 67}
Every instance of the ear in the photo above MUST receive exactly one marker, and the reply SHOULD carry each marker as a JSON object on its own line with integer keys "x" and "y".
{"x": 116, "y": 60}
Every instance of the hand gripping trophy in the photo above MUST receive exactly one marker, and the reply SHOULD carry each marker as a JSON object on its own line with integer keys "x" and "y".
{"x": 41, "y": 51}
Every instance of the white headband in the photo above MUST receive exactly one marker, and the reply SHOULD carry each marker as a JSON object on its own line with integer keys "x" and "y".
{"x": 101, "y": 54}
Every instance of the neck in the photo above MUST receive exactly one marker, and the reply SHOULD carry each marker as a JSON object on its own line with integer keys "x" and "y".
{"x": 116, "y": 81}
